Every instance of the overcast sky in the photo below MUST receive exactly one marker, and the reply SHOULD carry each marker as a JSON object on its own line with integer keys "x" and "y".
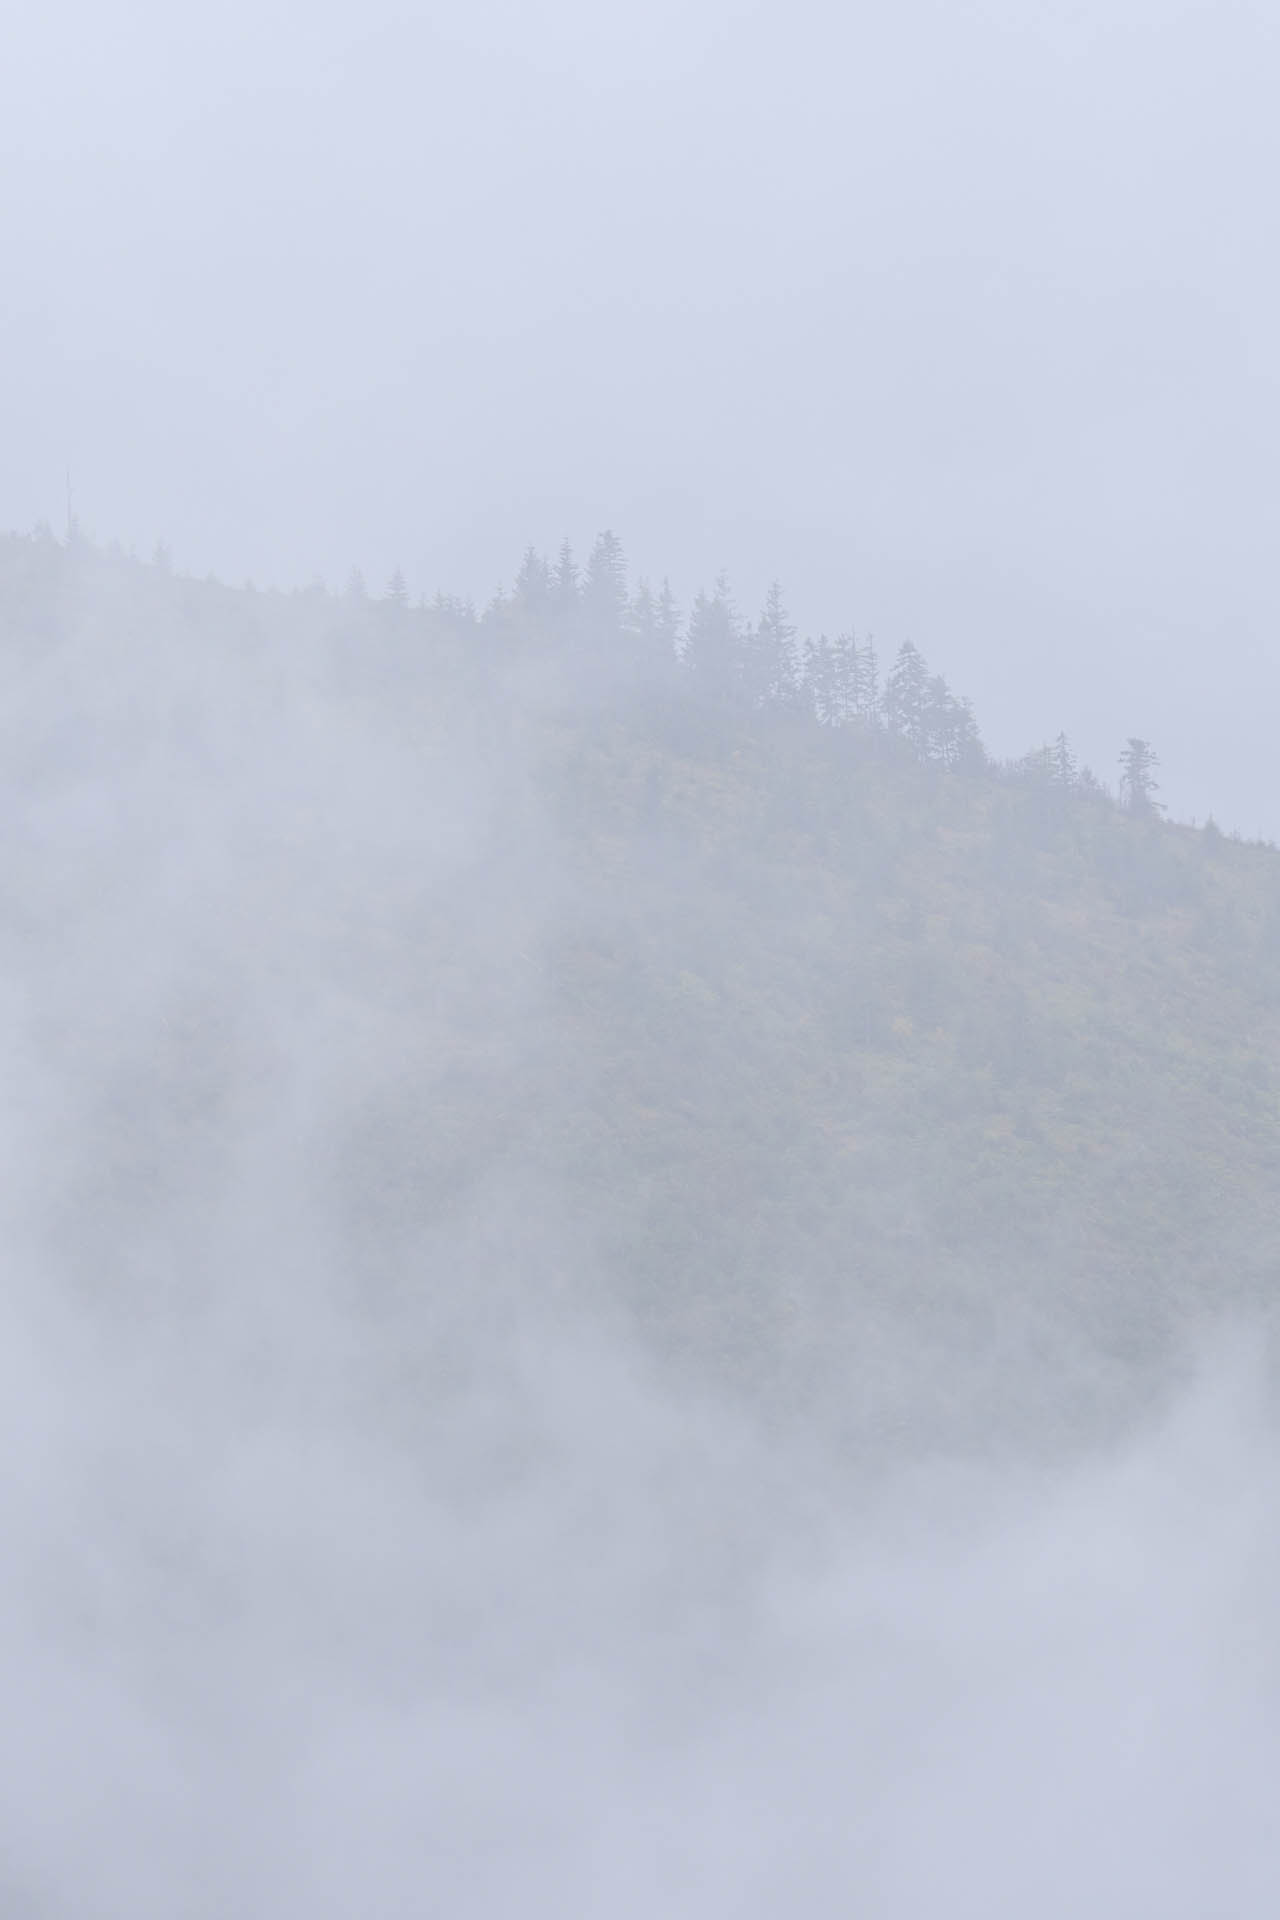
{"x": 961, "y": 318}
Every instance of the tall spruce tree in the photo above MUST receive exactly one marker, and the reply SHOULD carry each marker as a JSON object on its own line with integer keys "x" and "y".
{"x": 565, "y": 589}
{"x": 868, "y": 680}
{"x": 952, "y": 737}
{"x": 604, "y": 590}
{"x": 818, "y": 677}
{"x": 1138, "y": 783}
{"x": 906, "y": 698}
{"x": 938, "y": 720}
{"x": 967, "y": 753}
{"x": 651, "y": 644}
{"x": 770, "y": 655}
{"x": 667, "y": 619}
{"x": 844, "y": 675}
{"x": 713, "y": 649}
{"x": 642, "y": 616}
{"x": 533, "y": 589}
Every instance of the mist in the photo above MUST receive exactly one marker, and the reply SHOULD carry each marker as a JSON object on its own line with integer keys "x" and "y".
{"x": 953, "y": 319}
{"x": 630, "y": 1288}
{"x": 366, "y": 1557}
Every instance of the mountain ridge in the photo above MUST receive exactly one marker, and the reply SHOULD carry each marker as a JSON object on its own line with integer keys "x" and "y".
{"x": 787, "y": 1047}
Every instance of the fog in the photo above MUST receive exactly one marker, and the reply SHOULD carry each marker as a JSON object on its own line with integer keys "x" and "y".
{"x": 371, "y": 1549}
{"x": 362, "y": 1561}
{"x": 593, "y": 1656}
{"x": 958, "y": 319}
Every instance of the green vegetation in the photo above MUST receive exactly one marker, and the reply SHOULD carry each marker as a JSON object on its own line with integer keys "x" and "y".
{"x": 781, "y": 1022}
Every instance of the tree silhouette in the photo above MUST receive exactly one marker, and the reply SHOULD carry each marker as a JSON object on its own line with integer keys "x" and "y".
{"x": 533, "y": 584}
{"x": 906, "y": 698}
{"x": 821, "y": 674}
{"x": 770, "y": 655}
{"x": 604, "y": 591}
{"x": 866, "y": 679}
{"x": 565, "y": 591}
{"x": 713, "y": 650}
{"x": 1138, "y": 783}
{"x": 667, "y": 616}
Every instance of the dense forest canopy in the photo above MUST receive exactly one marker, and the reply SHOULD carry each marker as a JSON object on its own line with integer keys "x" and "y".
{"x": 748, "y": 962}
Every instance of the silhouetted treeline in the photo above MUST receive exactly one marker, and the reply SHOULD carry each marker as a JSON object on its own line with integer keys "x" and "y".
{"x": 734, "y": 945}
{"x": 764, "y": 666}
{"x": 761, "y": 668}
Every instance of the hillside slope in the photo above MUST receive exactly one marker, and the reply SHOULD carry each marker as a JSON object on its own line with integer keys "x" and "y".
{"x": 922, "y": 1105}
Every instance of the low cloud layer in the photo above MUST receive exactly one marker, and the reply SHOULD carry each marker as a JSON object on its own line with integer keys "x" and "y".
{"x": 291, "y": 1640}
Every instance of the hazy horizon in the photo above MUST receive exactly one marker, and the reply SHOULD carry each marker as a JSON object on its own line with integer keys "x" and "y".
{"x": 954, "y": 320}
{"x": 637, "y": 1289}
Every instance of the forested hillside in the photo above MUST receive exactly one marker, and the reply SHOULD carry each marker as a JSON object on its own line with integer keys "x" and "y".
{"x": 665, "y": 969}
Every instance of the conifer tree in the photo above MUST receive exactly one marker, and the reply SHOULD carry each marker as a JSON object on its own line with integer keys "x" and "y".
{"x": 565, "y": 591}
{"x": 820, "y": 681}
{"x": 1035, "y": 769}
{"x": 713, "y": 649}
{"x": 604, "y": 591}
{"x": 866, "y": 680}
{"x": 808, "y": 672}
{"x": 938, "y": 721}
{"x": 968, "y": 755}
{"x": 533, "y": 588}
{"x": 652, "y": 646}
{"x": 906, "y": 698}
{"x": 1066, "y": 773}
{"x": 770, "y": 655}
{"x": 1138, "y": 783}
{"x": 844, "y": 677}
{"x": 642, "y": 616}
{"x": 667, "y": 620}
{"x": 397, "y": 594}
{"x": 950, "y": 734}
